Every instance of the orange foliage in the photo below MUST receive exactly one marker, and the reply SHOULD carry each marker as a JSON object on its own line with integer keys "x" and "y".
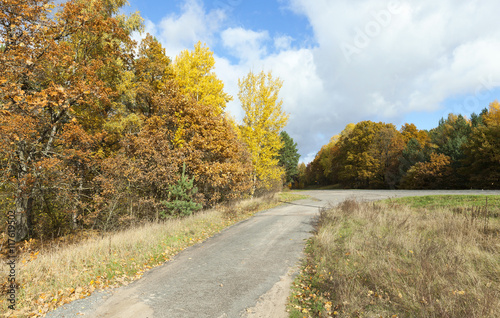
{"x": 433, "y": 174}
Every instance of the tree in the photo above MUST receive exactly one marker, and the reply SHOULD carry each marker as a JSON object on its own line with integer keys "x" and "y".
{"x": 56, "y": 90}
{"x": 358, "y": 167}
{"x": 449, "y": 139}
{"x": 195, "y": 76}
{"x": 450, "y": 135}
{"x": 387, "y": 147}
{"x": 180, "y": 197}
{"x": 262, "y": 124}
{"x": 482, "y": 151}
{"x": 433, "y": 174}
{"x": 301, "y": 177}
{"x": 152, "y": 70}
{"x": 289, "y": 157}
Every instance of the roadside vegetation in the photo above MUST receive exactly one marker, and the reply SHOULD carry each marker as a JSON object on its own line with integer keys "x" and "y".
{"x": 413, "y": 257}
{"x": 490, "y": 202}
{"x": 56, "y": 272}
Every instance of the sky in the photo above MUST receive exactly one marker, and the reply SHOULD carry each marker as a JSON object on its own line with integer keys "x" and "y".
{"x": 344, "y": 61}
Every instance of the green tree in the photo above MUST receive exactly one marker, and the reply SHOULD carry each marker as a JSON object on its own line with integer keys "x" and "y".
{"x": 180, "y": 197}
{"x": 289, "y": 157}
{"x": 263, "y": 121}
{"x": 450, "y": 135}
{"x": 449, "y": 138}
{"x": 482, "y": 152}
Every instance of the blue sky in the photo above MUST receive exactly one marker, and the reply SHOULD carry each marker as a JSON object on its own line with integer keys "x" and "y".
{"x": 344, "y": 61}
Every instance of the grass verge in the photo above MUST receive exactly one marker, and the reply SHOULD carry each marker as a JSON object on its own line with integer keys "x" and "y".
{"x": 391, "y": 260}
{"x": 492, "y": 202}
{"x": 52, "y": 277}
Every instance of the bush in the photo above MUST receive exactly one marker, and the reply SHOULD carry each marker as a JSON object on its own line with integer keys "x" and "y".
{"x": 180, "y": 197}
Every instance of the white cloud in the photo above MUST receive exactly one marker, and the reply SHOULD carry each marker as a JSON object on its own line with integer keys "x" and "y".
{"x": 407, "y": 56}
{"x": 193, "y": 24}
{"x": 247, "y": 45}
{"x": 283, "y": 42}
{"x": 401, "y": 57}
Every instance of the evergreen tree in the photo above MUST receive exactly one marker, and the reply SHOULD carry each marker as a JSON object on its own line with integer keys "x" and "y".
{"x": 181, "y": 197}
{"x": 289, "y": 157}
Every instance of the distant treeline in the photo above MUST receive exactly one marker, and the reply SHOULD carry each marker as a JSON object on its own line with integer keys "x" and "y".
{"x": 460, "y": 153}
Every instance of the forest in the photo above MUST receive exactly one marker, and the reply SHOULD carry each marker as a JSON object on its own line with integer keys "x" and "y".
{"x": 460, "y": 153}
{"x": 100, "y": 132}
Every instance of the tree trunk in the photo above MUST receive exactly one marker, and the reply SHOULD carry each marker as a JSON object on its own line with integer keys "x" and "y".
{"x": 23, "y": 216}
{"x": 254, "y": 185}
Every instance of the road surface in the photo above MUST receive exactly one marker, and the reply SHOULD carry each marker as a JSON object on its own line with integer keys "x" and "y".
{"x": 245, "y": 271}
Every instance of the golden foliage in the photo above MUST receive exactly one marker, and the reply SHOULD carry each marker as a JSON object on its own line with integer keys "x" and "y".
{"x": 263, "y": 121}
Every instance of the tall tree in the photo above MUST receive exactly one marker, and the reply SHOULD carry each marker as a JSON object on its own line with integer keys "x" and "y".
{"x": 289, "y": 157}
{"x": 195, "y": 75}
{"x": 359, "y": 168}
{"x": 450, "y": 137}
{"x": 482, "y": 151}
{"x": 263, "y": 121}
{"x": 56, "y": 90}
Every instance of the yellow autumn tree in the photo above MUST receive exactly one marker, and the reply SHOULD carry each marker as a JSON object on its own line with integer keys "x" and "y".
{"x": 195, "y": 76}
{"x": 263, "y": 121}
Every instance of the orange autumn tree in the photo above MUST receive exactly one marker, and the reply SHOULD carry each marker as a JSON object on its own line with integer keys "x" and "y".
{"x": 433, "y": 174}
{"x": 165, "y": 130}
{"x": 55, "y": 84}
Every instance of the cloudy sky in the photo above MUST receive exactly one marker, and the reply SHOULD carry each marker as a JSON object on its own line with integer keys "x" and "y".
{"x": 344, "y": 61}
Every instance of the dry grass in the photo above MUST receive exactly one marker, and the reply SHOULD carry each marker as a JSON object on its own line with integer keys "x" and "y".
{"x": 383, "y": 260}
{"x": 49, "y": 279}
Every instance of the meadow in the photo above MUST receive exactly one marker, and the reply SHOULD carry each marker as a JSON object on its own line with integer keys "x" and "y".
{"x": 435, "y": 256}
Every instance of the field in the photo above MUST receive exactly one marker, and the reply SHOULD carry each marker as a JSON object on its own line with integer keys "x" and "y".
{"x": 410, "y": 257}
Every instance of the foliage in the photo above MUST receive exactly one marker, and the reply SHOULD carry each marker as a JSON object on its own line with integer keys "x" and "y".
{"x": 180, "y": 197}
{"x": 55, "y": 97}
{"x": 482, "y": 152}
{"x": 93, "y": 137}
{"x": 195, "y": 76}
{"x": 434, "y": 174}
{"x": 367, "y": 156}
{"x": 289, "y": 157}
{"x": 459, "y": 153}
{"x": 262, "y": 124}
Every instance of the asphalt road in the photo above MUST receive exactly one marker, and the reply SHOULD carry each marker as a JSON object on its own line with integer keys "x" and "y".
{"x": 243, "y": 271}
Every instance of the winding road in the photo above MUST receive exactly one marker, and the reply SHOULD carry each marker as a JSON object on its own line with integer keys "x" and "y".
{"x": 245, "y": 271}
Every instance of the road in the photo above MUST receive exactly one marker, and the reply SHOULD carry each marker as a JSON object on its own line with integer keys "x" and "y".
{"x": 245, "y": 271}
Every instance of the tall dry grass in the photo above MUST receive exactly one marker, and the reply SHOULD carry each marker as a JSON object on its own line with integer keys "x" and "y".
{"x": 51, "y": 278}
{"x": 383, "y": 260}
